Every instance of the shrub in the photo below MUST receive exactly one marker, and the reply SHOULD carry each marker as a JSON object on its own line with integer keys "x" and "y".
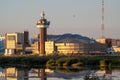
{"x": 61, "y": 61}
{"x": 77, "y": 64}
{"x": 51, "y": 62}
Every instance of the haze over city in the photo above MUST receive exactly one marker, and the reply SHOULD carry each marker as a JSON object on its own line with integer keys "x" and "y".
{"x": 67, "y": 16}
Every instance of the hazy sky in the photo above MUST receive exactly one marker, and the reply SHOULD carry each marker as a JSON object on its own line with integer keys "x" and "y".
{"x": 67, "y": 16}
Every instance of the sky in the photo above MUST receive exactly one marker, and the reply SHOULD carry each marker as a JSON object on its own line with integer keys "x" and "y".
{"x": 66, "y": 16}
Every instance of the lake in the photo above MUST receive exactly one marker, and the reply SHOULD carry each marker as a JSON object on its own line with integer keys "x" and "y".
{"x": 59, "y": 73}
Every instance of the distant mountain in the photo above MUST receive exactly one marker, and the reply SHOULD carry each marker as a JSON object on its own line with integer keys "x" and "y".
{"x": 71, "y": 38}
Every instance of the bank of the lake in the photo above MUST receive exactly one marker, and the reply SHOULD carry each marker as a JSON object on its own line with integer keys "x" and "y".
{"x": 60, "y": 60}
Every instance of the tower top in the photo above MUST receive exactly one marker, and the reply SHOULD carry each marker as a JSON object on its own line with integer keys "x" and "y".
{"x": 43, "y": 23}
{"x": 42, "y": 14}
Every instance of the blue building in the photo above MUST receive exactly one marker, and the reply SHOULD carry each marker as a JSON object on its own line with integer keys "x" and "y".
{"x": 2, "y": 44}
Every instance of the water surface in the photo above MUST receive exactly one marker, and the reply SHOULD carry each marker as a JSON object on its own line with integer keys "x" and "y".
{"x": 59, "y": 73}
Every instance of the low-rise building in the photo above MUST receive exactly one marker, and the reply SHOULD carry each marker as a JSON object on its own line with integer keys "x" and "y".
{"x": 71, "y": 48}
{"x": 35, "y": 47}
{"x": 2, "y": 44}
{"x": 116, "y": 48}
{"x": 114, "y": 44}
{"x": 50, "y": 47}
{"x": 15, "y": 43}
{"x": 35, "y": 44}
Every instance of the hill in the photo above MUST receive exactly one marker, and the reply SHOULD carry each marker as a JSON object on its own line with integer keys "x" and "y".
{"x": 71, "y": 38}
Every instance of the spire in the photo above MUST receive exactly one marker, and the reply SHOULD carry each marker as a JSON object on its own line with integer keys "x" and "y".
{"x": 42, "y": 15}
{"x": 42, "y": 21}
{"x": 102, "y": 25}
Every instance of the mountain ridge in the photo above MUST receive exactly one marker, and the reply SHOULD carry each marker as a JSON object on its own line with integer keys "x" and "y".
{"x": 68, "y": 37}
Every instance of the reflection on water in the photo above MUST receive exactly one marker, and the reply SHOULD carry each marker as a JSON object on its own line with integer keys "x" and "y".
{"x": 22, "y": 74}
{"x": 59, "y": 73}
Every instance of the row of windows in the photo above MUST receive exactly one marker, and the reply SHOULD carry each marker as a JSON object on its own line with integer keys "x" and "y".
{"x": 70, "y": 48}
{"x": 11, "y": 37}
{"x": 69, "y": 45}
{"x": 49, "y": 48}
{"x": 49, "y": 45}
{"x": 12, "y": 47}
{"x": 11, "y": 44}
{"x": 71, "y": 51}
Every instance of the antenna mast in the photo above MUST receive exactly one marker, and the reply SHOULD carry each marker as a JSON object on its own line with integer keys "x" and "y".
{"x": 102, "y": 24}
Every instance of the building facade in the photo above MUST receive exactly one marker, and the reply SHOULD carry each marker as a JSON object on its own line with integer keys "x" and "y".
{"x": 71, "y": 48}
{"x": 50, "y": 47}
{"x": 15, "y": 43}
{"x": 114, "y": 42}
{"x": 2, "y": 44}
{"x": 35, "y": 47}
{"x": 111, "y": 43}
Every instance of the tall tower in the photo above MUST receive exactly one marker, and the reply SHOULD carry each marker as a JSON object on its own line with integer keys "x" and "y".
{"x": 102, "y": 21}
{"x": 42, "y": 24}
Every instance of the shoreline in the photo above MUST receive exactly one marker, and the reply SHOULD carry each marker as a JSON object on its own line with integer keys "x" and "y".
{"x": 60, "y": 60}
